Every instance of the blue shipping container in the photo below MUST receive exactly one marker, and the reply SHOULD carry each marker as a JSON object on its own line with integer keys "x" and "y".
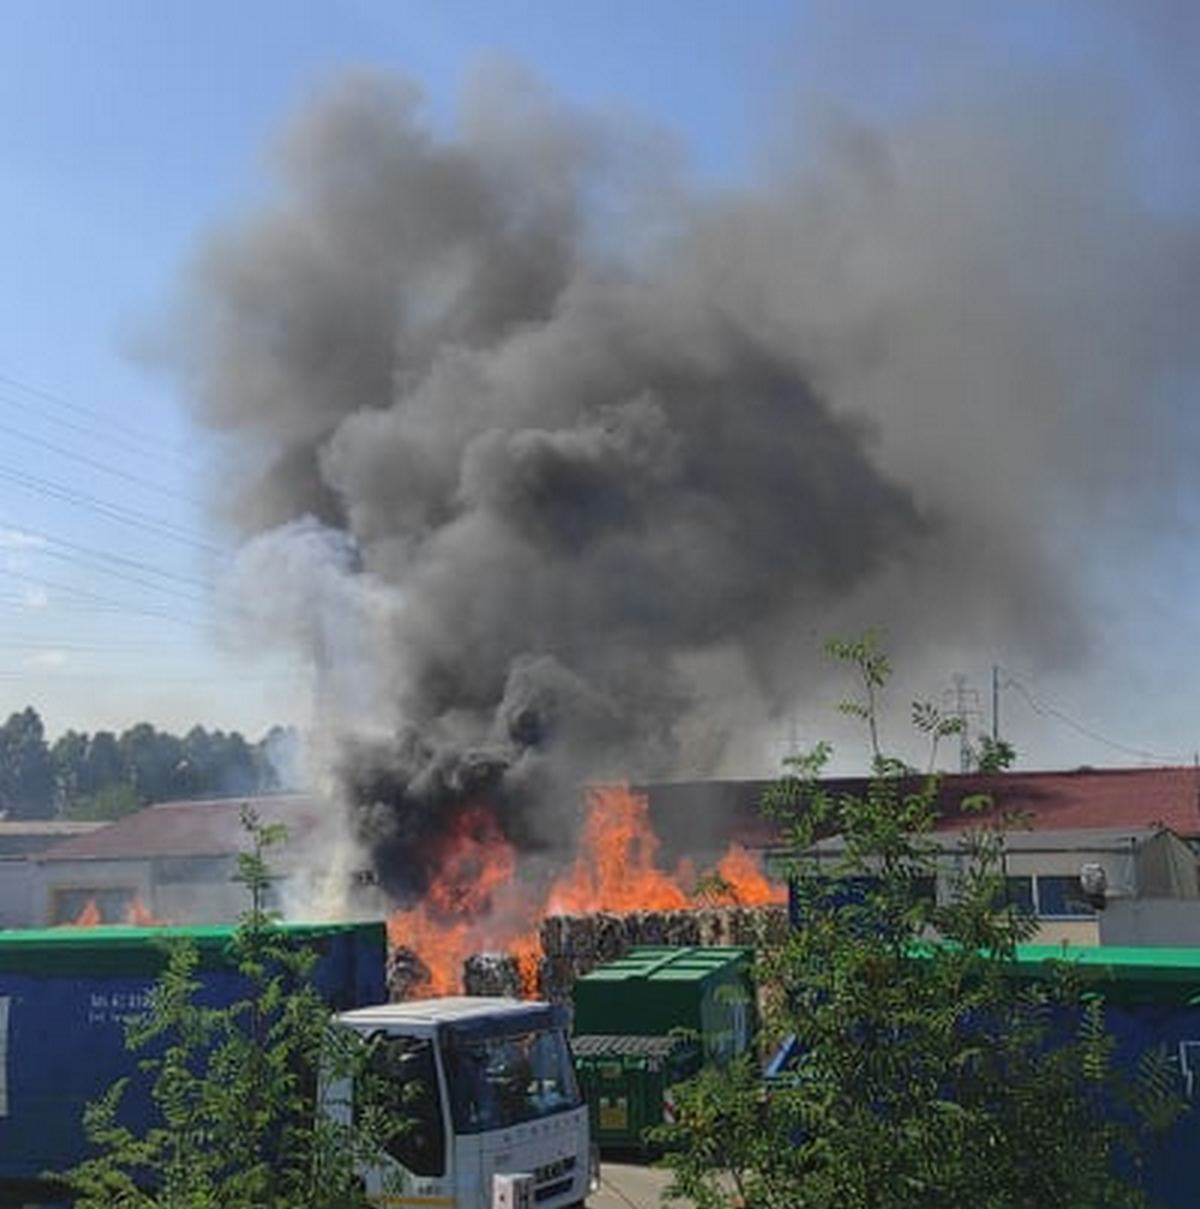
{"x": 66, "y": 994}
{"x": 1152, "y": 1001}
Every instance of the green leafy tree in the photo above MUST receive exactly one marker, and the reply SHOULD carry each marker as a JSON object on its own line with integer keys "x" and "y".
{"x": 67, "y": 756}
{"x": 26, "y": 769}
{"x": 927, "y": 1073}
{"x": 103, "y": 765}
{"x": 993, "y": 755}
{"x": 111, "y": 802}
{"x": 151, "y": 759}
{"x": 237, "y": 1089}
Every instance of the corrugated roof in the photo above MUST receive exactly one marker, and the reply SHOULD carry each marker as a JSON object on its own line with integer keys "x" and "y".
{"x": 704, "y": 816}
{"x": 1081, "y": 839}
{"x": 201, "y": 828}
{"x": 1088, "y": 798}
{"x": 707, "y": 815}
{"x": 20, "y": 838}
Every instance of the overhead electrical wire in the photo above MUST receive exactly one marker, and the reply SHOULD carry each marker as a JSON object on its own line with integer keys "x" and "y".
{"x": 101, "y": 430}
{"x": 1045, "y": 710}
{"x": 105, "y": 434}
{"x": 100, "y": 677}
{"x": 106, "y": 424}
{"x": 137, "y": 580}
{"x": 96, "y": 464}
{"x": 99, "y": 598}
{"x": 117, "y": 512}
{"x": 87, "y": 647}
{"x": 94, "y": 552}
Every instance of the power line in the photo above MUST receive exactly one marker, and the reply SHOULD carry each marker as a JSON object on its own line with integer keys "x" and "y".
{"x": 73, "y": 645}
{"x": 117, "y": 512}
{"x": 85, "y": 594}
{"x": 139, "y": 447}
{"x": 165, "y": 589}
{"x": 96, "y": 464}
{"x": 95, "y": 552}
{"x": 109, "y": 423}
{"x": 1040, "y": 707}
{"x": 52, "y": 673}
{"x": 89, "y": 557}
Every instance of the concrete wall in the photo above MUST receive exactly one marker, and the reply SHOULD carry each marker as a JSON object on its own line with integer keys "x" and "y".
{"x": 1067, "y": 931}
{"x": 1151, "y": 921}
{"x": 16, "y": 893}
{"x": 177, "y": 890}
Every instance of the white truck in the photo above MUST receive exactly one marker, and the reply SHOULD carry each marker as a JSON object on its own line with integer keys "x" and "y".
{"x": 489, "y": 1090}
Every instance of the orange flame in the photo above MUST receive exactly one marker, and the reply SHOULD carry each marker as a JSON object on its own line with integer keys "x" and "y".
{"x": 615, "y": 869}
{"x": 89, "y": 917}
{"x": 140, "y": 916}
{"x": 747, "y": 884}
{"x": 475, "y": 863}
{"x": 475, "y": 903}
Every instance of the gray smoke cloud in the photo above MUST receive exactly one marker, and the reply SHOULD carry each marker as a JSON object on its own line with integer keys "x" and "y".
{"x": 576, "y": 456}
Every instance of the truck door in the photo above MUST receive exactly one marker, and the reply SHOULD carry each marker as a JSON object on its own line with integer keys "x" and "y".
{"x": 403, "y": 1083}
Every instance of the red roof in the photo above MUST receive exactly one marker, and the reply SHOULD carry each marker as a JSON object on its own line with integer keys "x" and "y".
{"x": 1088, "y": 797}
{"x": 710, "y": 814}
{"x": 203, "y": 828}
{"x": 700, "y": 816}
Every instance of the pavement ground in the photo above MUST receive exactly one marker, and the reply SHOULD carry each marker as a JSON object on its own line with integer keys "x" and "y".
{"x": 629, "y": 1186}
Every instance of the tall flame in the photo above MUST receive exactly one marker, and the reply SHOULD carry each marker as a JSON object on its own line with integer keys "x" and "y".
{"x": 475, "y": 864}
{"x": 476, "y": 901}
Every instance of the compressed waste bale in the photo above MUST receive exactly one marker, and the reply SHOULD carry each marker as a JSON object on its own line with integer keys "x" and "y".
{"x": 681, "y": 928}
{"x": 645, "y": 928}
{"x": 492, "y": 974}
{"x": 612, "y": 937}
{"x": 407, "y": 974}
{"x": 555, "y": 935}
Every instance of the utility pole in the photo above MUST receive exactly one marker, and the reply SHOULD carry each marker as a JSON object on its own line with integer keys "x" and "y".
{"x": 995, "y": 703}
{"x": 960, "y": 712}
{"x": 964, "y": 704}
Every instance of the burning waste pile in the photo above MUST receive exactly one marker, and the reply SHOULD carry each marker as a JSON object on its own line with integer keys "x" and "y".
{"x": 554, "y": 468}
{"x": 480, "y": 930}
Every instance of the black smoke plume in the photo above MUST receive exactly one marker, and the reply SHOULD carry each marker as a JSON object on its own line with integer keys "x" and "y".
{"x": 554, "y": 466}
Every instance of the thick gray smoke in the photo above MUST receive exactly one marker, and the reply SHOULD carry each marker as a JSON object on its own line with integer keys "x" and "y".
{"x": 553, "y": 467}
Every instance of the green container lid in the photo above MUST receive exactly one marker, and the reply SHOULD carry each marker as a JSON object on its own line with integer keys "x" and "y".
{"x": 1123, "y": 973}
{"x": 654, "y": 990}
{"x": 110, "y": 950}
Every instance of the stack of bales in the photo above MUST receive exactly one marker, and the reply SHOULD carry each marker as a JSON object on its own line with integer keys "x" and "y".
{"x": 407, "y": 975}
{"x": 492, "y": 974}
{"x": 574, "y": 945}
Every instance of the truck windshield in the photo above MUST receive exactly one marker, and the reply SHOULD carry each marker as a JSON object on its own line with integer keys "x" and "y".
{"x": 496, "y": 1082}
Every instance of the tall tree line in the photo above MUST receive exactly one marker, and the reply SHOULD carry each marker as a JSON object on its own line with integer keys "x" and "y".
{"x": 104, "y": 775}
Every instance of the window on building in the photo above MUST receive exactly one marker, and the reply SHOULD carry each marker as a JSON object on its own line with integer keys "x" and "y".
{"x": 924, "y": 889}
{"x": 92, "y": 905}
{"x": 1061, "y": 898}
{"x": 1019, "y": 893}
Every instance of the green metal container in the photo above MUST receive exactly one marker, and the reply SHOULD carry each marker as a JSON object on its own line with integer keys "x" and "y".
{"x": 626, "y": 1082}
{"x": 656, "y": 991}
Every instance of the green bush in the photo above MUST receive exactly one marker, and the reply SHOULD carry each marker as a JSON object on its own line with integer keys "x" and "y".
{"x": 927, "y": 1074}
{"x": 237, "y": 1089}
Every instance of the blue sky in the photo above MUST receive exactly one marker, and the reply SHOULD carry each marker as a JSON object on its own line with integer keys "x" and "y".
{"x": 126, "y": 129}
{"x": 129, "y": 127}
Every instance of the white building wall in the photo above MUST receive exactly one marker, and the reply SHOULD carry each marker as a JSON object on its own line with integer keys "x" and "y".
{"x": 16, "y": 893}
{"x": 61, "y": 888}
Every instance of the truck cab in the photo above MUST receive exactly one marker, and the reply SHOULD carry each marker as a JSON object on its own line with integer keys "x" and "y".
{"x": 488, "y": 1089}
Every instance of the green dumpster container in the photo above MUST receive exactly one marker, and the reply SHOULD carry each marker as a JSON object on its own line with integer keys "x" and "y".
{"x": 650, "y": 1020}
{"x": 626, "y": 1082}
{"x": 656, "y": 990}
